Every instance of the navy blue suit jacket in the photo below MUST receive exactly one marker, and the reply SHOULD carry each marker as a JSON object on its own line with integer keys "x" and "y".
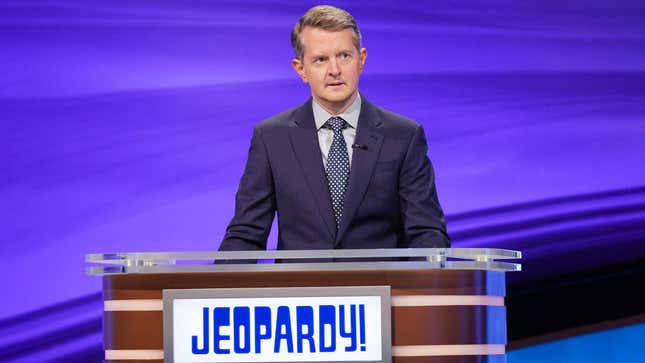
{"x": 391, "y": 199}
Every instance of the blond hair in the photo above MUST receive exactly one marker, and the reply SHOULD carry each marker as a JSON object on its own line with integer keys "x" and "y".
{"x": 324, "y": 17}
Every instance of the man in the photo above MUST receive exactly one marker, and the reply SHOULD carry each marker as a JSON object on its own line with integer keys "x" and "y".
{"x": 339, "y": 171}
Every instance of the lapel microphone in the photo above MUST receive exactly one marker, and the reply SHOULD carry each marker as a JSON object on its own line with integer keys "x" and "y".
{"x": 359, "y": 146}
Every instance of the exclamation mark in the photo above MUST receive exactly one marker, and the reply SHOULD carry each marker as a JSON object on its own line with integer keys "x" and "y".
{"x": 361, "y": 322}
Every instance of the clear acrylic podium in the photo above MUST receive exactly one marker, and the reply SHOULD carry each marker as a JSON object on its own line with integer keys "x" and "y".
{"x": 447, "y": 304}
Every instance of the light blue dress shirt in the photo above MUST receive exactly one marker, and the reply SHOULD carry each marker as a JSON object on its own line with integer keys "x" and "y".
{"x": 326, "y": 136}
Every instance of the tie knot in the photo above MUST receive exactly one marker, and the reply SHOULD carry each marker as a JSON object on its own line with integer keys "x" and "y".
{"x": 336, "y": 123}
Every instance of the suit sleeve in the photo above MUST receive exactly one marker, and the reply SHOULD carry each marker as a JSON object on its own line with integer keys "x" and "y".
{"x": 423, "y": 219}
{"x": 254, "y": 202}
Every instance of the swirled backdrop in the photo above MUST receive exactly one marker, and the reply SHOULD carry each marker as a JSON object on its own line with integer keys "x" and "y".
{"x": 125, "y": 127}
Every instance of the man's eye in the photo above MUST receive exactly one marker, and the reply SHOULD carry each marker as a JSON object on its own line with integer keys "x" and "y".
{"x": 319, "y": 60}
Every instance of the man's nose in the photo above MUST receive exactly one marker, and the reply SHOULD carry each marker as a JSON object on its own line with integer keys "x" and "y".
{"x": 334, "y": 68}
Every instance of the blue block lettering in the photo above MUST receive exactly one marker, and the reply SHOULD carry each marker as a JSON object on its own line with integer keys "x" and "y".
{"x": 241, "y": 318}
{"x": 361, "y": 322}
{"x": 351, "y": 333}
{"x": 262, "y": 319}
{"x": 221, "y": 317}
{"x": 305, "y": 318}
{"x": 283, "y": 321}
{"x": 204, "y": 349}
{"x": 327, "y": 317}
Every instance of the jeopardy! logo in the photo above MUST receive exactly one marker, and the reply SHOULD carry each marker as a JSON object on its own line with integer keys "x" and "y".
{"x": 284, "y": 329}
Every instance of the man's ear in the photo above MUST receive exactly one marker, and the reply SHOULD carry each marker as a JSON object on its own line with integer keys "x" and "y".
{"x": 299, "y": 68}
{"x": 363, "y": 58}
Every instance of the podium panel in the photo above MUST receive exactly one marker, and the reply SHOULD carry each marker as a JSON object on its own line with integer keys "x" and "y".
{"x": 446, "y": 308}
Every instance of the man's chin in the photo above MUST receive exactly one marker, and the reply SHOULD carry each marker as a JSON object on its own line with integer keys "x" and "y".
{"x": 337, "y": 101}
{"x": 334, "y": 99}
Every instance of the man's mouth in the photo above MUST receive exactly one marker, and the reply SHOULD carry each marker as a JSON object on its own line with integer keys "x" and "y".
{"x": 335, "y": 84}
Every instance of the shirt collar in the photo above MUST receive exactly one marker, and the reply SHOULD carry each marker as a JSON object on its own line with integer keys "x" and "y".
{"x": 350, "y": 115}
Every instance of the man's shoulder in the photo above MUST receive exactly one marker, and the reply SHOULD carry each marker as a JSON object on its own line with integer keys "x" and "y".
{"x": 281, "y": 120}
{"x": 393, "y": 121}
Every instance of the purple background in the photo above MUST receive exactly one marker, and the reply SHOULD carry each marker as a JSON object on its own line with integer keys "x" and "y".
{"x": 125, "y": 127}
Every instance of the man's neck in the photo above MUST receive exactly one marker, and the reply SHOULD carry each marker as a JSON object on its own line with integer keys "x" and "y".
{"x": 336, "y": 109}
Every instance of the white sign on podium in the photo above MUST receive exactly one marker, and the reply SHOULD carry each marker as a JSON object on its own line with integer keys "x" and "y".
{"x": 319, "y": 324}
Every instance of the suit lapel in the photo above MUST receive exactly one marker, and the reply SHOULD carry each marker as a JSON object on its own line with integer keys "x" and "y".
{"x": 304, "y": 141}
{"x": 364, "y": 159}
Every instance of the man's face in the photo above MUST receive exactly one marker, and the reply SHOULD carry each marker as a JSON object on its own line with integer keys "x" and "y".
{"x": 331, "y": 65}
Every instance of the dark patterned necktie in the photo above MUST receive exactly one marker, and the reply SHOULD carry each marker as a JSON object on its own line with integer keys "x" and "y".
{"x": 337, "y": 167}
